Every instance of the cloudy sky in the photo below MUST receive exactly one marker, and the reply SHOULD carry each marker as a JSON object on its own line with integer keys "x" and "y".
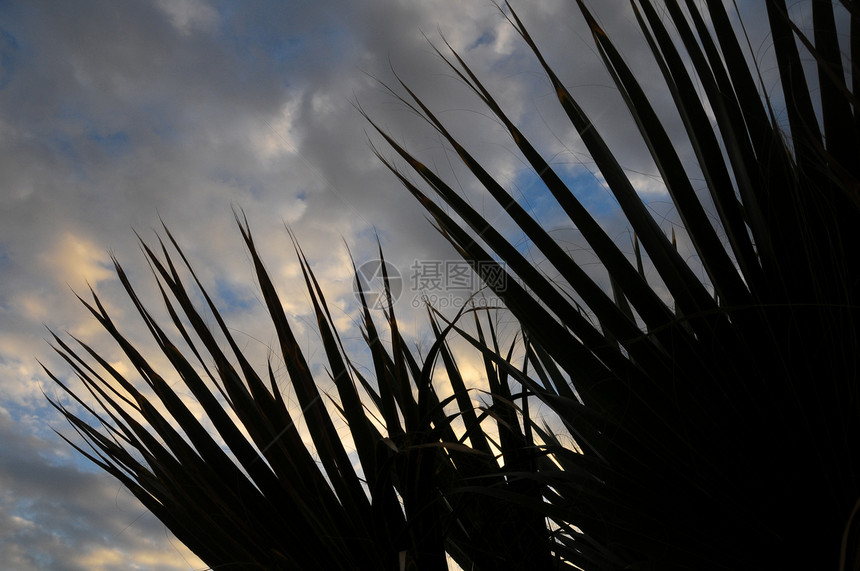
{"x": 116, "y": 114}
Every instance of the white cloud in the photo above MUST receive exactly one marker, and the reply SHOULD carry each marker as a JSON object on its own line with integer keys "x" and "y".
{"x": 188, "y": 15}
{"x": 275, "y": 137}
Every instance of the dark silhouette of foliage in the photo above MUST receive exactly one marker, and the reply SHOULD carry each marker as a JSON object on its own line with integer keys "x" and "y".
{"x": 716, "y": 425}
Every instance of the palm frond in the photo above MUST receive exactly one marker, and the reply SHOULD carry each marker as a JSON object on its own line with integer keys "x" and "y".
{"x": 716, "y": 430}
{"x": 255, "y": 493}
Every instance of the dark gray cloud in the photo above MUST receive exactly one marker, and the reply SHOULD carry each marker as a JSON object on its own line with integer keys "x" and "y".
{"x": 56, "y": 515}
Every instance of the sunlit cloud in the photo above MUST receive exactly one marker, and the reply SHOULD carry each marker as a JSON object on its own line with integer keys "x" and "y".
{"x": 75, "y": 259}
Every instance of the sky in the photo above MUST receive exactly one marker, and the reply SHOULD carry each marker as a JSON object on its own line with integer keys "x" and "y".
{"x": 117, "y": 115}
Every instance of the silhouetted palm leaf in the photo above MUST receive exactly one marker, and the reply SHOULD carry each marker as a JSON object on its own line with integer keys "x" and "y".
{"x": 720, "y": 430}
{"x": 258, "y": 495}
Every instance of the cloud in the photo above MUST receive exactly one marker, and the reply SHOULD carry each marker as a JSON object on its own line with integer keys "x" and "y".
{"x": 48, "y": 507}
{"x": 76, "y": 257}
{"x": 188, "y": 15}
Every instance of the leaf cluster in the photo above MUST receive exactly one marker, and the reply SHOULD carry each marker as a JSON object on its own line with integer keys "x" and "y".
{"x": 709, "y": 421}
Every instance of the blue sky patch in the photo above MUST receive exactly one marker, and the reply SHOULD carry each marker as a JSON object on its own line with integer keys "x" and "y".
{"x": 235, "y": 298}
{"x": 114, "y": 144}
{"x": 534, "y": 196}
{"x": 8, "y": 57}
